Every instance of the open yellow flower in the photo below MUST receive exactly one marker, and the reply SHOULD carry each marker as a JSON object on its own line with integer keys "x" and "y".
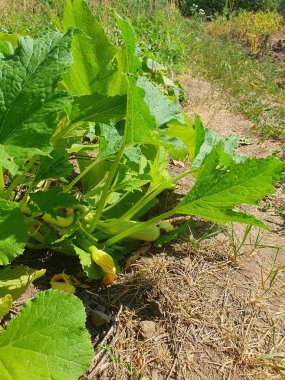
{"x": 62, "y": 282}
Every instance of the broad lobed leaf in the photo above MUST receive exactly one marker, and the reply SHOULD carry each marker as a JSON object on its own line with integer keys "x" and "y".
{"x": 47, "y": 340}
{"x": 5, "y": 305}
{"x": 29, "y": 100}
{"x": 90, "y": 48}
{"x": 219, "y": 188}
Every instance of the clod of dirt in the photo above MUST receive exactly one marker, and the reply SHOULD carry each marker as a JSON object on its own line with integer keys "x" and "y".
{"x": 148, "y": 329}
{"x": 98, "y": 318}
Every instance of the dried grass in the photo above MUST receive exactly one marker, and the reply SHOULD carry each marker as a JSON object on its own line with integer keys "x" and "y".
{"x": 209, "y": 321}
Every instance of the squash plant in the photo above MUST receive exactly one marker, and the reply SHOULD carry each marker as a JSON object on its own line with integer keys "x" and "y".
{"x": 85, "y": 139}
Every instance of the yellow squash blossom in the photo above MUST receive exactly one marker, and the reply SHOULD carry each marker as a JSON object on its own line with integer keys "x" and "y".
{"x": 106, "y": 263}
{"x": 62, "y": 282}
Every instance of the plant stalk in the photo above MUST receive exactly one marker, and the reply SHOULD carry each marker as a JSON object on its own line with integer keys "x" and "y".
{"x": 150, "y": 196}
{"x": 117, "y": 202}
{"x": 106, "y": 188}
{"x": 2, "y": 183}
{"x": 142, "y": 203}
{"x": 82, "y": 174}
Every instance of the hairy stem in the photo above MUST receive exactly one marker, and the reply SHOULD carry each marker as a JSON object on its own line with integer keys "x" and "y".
{"x": 149, "y": 196}
{"x": 2, "y": 184}
{"x": 142, "y": 203}
{"x": 117, "y": 202}
{"x": 106, "y": 188}
{"x": 82, "y": 174}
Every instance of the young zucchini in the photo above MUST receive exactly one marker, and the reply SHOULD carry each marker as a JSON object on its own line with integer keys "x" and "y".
{"x": 116, "y": 226}
{"x": 59, "y": 221}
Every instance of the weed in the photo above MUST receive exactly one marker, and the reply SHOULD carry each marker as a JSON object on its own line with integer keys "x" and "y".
{"x": 252, "y": 29}
{"x": 268, "y": 281}
{"x": 239, "y": 243}
{"x": 116, "y": 358}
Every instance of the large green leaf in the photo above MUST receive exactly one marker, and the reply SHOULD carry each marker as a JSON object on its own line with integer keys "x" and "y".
{"x": 129, "y": 180}
{"x": 219, "y": 188}
{"x": 205, "y": 139}
{"x": 140, "y": 123}
{"x": 158, "y": 160}
{"x": 113, "y": 80}
{"x": 47, "y": 340}
{"x": 163, "y": 109}
{"x": 98, "y": 108}
{"x": 7, "y": 43}
{"x": 186, "y": 134}
{"x": 13, "y": 232}
{"x": 15, "y": 281}
{"x": 56, "y": 165}
{"x": 110, "y": 139}
{"x": 90, "y": 48}
{"x": 29, "y": 100}
{"x": 128, "y": 36}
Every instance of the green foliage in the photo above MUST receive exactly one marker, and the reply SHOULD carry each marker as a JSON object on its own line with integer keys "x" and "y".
{"x": 13, "y": 232}
{"x": 27, "y": 121}
{"x": 142, "y": 120}
{"x": 252, "y": 83}
{"x": 281, "y": 7}
{"x": 212, "y": 7}
{"x": 252, "y": 29}
{"x": 39, "y": 342}
{"x": 31, "y": 17}
{"x": 116, "y": 358}
{"x": 120, "y": 129}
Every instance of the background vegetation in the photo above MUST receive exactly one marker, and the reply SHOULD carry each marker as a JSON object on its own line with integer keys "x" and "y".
{"x": 233, "y": 49}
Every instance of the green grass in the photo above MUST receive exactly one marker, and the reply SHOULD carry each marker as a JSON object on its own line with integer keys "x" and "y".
{"x": 252, "y": 83}
{"x": 181, "y": 44}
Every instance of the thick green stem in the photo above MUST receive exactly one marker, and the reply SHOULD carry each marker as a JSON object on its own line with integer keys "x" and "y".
{"x": 138, "y": 227}
{"x": 82, "y": 174}
{"x": 106, "y": 189}
{"x": 19, "y": 178}
{"x": 149, "y": 196}
{"x": 184, "y": 174}
{"x": 2, "y": 183}
{"x": 87, "y": 234}
{"x": 117, "y": 202}
{"x": 142, "y": 203}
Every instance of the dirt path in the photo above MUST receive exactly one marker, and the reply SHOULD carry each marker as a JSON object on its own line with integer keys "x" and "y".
{"x": 189, "y": 311}
{"x": 209, "y": 102}
{"x": 206, "y": 100}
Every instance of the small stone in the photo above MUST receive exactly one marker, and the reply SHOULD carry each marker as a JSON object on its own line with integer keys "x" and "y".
{"x": 148, "y": 329}
{"x": 99, "y": 318}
